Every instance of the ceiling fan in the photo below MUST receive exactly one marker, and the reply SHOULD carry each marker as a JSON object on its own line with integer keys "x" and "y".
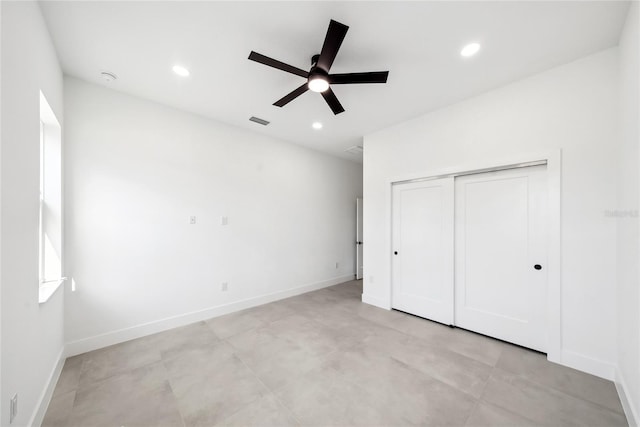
{"x": 318, "y": 77}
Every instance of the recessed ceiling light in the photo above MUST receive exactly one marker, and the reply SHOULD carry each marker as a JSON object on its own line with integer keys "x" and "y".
{"x": 470, "y": 49}
{"x": 316, "y": 125}
{"x": 180, "y": 70}
{"x": 108, "y": 77}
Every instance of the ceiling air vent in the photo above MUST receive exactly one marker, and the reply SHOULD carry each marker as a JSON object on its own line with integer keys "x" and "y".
{"x": 259, "y": 120}
{"x": 356, "y": 149}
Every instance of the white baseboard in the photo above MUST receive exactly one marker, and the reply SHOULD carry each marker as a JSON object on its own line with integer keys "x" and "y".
{"x": 122, "y": 335}
{"x": 588, "y": 364}
{"x": 375, "y": 301}
{"x": 630, "y": 410}
{"x": 47, "y": 393}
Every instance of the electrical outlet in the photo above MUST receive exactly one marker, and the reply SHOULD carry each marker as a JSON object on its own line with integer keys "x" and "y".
{"x": 192, "y": 219}
{"x": 337, "y": 265}
{"x": 224, "y": 287}
{"x": 224, "y": 220}
{"x": 13, "y": 408}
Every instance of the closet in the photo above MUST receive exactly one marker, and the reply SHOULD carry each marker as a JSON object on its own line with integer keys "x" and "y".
{"x": 470, "y": 250}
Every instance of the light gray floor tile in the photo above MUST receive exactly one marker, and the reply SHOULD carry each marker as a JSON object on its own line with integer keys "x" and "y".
{"x": 322, "y": 397}
{"x": 484, "y": 349}
{"x": 117, "y": 359}
{"x": 325, "y": 297}
{"x": 457, "y": 370}
{"x": 70, "y": 376}
{"x": 303, "y": 304}
{"x": 353, "y": 287}
{"x": 355, "y": 365}
{"x": 265, "y": 411}
{"x": 272, "y": 311}
{"x": 273, "y": 359}
{"x": 337, "y": 317}
{"x": 199, "y": 360}
{"x": 475, "y": 346}
{"x": 379, "y": 315}
{"x": 487, "y": 415}
{"x": 383, "y": 339}
{"x": 59, "y": 410}
{"x": 423, "y": 400}
{"x": 141, "y": 397}
{"x": 536, "y": 368}
{"x": 324, "y": 358}
{"x": 281, "y": 369}
{"x": 235, "y": 323}
{"x": 312, "y": 336}
{"x": 176, "y": 341}
{"x": 259, "y": 344}
{"x": 407, "y": 395}
{"x": 544, "y": 405}
{"x": 212, "y": 385}
{"x": 339, "y": 326}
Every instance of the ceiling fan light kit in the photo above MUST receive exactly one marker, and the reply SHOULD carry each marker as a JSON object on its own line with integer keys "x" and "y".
{"x": 318, "y": 77}
{"x": 318, "y": 80}
{"x": 318, "y": 84}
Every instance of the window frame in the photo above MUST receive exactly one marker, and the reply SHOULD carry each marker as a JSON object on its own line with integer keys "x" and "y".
{"x": 50, "y": 139}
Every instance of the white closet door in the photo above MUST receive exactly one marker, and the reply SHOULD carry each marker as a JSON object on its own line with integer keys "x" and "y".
{"x": 500, "y": 256}
{"x": 423, "y": 249}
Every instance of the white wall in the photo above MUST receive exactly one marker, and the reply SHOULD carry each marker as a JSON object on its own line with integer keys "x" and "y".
{"x": 1, "y": 117}
{"x": 136, "y": 171}
{"x": 628, "y": 376}
{"x": 32, "y": 334}
{"x": 572, "y": 108}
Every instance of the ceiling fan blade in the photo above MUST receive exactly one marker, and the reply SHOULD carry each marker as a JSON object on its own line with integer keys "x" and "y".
{"x": 255, "y": 56}
{"x": 349, "y": 78}
{"x": 332, "y": 42}
{"x": 333, "y": 102}
{"x": 291, "y": 96}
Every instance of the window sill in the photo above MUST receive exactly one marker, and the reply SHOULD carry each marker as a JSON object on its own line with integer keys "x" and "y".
{"x": 47, "y": 290}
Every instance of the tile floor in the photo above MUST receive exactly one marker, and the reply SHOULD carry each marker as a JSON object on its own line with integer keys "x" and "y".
{"x": 324, "y": 358}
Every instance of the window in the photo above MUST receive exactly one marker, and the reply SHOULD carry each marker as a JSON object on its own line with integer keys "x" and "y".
{"x": 50, "y": 227}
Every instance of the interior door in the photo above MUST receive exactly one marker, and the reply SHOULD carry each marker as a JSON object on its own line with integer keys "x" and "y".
{"x": 500, "y": 257}
{"x": 359, "y": 242}
{"x": 423, "y": 249}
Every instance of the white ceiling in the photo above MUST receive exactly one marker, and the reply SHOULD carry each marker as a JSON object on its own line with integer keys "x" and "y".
{"x": 418, "y": 42}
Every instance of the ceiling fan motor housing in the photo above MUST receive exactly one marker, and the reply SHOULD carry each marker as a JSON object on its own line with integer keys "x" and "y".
{"x": 317, "y": 71}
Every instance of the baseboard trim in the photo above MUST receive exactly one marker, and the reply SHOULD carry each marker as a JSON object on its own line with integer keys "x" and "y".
{"x": 115, "y": 337}
{"x": 631, "y": 412}
{"x": 588, "y": 364}
{"x": 375, "y": 301}
{"x": 47, "y": 393}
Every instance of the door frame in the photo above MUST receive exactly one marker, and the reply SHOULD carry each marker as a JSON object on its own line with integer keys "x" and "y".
{"x": 553, "y": 161}
{"x": 359, "y": 238}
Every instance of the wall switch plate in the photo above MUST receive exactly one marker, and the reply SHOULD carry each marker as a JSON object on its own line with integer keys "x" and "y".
{"x": 192, "y": 219}
{"x": 224, "y": 220}
{"x": 13, "y": 408}
{"x": 224, "y": 287}
{"x": 337, "y": 265}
